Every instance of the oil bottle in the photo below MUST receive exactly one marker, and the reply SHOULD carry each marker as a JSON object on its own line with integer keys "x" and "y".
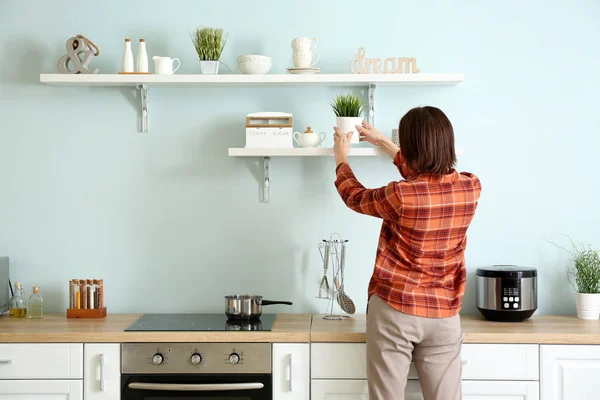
{"x": 18, "y": 303}
{"x": 35, "y": 305}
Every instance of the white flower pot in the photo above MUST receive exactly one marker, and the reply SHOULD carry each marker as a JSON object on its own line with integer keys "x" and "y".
{"x": 348, "y": 124}
{"x": 588, "y": 305}
{"x": 209, "y": 67}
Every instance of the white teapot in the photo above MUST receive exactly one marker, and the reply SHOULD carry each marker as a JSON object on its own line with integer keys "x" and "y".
{"x": 164, "y": 65}
{"x": 309, "y": 138}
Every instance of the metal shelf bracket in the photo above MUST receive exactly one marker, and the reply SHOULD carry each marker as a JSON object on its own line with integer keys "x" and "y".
{"x": 267, "y": 183}
{"x": 144, "y": 98}
{"x": 371, "y": 95}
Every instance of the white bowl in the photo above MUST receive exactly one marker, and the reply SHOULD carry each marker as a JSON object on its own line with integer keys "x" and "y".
{"x": 254, "y": 64}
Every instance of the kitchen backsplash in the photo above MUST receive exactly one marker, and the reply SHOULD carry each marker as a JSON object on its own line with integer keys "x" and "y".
{"x": 173, "y": 224}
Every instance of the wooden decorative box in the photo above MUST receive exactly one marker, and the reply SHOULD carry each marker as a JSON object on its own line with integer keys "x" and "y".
{"x": 270, "y": 130}
{"x": 86, "y": 313}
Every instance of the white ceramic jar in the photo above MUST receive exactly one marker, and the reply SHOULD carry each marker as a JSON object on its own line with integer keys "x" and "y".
{"x": 309, "y": 138}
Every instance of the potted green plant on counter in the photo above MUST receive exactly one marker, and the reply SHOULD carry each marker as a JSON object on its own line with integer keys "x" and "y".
{"x": 348, "y": 109}
{"x": 584, "y": 275}
{"x": 209, "y": 44}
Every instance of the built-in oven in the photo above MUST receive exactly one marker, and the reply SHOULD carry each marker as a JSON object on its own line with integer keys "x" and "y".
{"x": 194, "y": 371}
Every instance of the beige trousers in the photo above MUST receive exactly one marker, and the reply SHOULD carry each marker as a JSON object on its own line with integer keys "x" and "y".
{"x": 394, "y": 340}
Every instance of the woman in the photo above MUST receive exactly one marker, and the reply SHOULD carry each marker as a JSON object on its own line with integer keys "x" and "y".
{"x": 419, "y": 279}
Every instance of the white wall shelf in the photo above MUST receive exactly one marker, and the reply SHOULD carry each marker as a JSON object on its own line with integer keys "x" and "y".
{"x": 266, "y": 155}
{"x": 145, "y": 81}
{"x": 301, "y": 152}
{"x": 152, "y": 80}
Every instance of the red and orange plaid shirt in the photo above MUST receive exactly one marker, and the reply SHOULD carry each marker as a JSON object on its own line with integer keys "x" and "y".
{"x": 420, "y": 263}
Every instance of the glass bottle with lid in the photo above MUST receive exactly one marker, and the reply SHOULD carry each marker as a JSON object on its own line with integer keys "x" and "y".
{"x": 18, "y": 303}
{"x": 34, "y": 309}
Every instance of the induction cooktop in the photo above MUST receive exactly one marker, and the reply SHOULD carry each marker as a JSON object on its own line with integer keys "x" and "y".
{"x": 199, "y": 322}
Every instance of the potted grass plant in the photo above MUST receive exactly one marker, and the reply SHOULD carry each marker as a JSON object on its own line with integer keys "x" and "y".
{"x": 348, "y": 109}
{"x": 584, "y": 275}
{"x": 209, "y": 44}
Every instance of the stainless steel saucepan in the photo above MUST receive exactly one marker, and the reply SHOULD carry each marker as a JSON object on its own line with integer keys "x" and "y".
{"x": 247, "y": 307}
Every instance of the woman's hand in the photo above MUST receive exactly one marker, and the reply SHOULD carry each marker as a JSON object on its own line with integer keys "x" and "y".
{"x": 369, "y": 134}
{"x": 341, "y": 146}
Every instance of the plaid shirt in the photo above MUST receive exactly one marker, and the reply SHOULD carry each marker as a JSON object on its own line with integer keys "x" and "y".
{"x": 420, "y": 264}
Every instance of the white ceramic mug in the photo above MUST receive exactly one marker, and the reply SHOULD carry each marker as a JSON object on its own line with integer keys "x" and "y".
{"x": 304, "y": 44}
{"x": 164, "y": 65}
{"x": 304, "y": 59}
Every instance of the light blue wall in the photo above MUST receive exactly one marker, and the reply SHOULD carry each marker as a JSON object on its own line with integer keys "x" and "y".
{"x": 173, "y": 224}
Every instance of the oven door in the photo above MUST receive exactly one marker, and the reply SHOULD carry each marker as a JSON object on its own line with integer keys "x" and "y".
{"x": 196, "y": 387}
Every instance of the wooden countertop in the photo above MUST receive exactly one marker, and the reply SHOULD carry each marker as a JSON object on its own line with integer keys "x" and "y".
{"x": 543, "y": 329}
{"x": 290, "y": 328}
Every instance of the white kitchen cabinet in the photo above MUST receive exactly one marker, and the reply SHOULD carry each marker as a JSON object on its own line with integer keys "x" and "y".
{"x": 500, "y": 390}
{"x": 41, "y": 361}
{"x": 570, "y": 372}
{"x": 357, "y": 389}
{"x": 337, "y": 389}
{"x": 41, "y": 390}
{"x": 102, "y": 366}
{"x": 291, "y": 371}
{"x": 472, "y": 390}
{"x": 505, "y": 362}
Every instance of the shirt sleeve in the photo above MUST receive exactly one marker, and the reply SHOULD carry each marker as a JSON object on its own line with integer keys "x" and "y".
{"x": 382, "y": 203}
{"x": 400, "y": 163}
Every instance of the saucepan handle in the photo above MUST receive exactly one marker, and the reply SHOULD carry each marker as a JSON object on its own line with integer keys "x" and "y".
{"x": 272, "y": 302}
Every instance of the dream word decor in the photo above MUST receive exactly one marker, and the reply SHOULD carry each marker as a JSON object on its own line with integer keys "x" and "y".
{"x": 79, "y": 55}
{"x": 392, "y": 65}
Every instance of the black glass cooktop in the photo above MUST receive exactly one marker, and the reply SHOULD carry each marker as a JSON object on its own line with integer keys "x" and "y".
{"x": 198, "y": 322}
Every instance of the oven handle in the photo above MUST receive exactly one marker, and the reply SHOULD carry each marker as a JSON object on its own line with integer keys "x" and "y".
{"x": 190, "y": 387}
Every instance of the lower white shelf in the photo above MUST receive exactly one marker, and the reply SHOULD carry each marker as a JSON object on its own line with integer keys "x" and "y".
{"x": 266, "y": 154}
{"x": 301, "y": 152}
{"x": 308, "y": 152}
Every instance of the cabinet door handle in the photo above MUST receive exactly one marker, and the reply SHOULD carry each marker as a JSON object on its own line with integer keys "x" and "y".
{"x": 289, "y": 374}
{"x": 102, "y": 372}
{"x": 5, "y": 361}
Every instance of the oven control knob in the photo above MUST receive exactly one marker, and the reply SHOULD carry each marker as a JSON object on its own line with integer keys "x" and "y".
{"x": 157, "y": 359}
{"x": 234, "y": 358}
{"x": 196, "y": 359}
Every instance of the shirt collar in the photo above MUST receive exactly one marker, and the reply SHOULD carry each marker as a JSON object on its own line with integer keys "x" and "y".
{"x": 451, "y": 177}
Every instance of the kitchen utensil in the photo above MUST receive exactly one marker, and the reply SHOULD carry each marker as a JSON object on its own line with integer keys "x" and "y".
{"x": 324, "y": 281}
{"x": 303, "y": 71}
{"x": 247, "y": 307}
{"x": 506, "y": 292}
{"x": 164, "y": 65}
{"x": 345, "y": 302}
{"x": 304, "y": 44}
{"x": 309, "y": 138}
{"x": 254, "y": 64}
{"x": 305, "y": 59}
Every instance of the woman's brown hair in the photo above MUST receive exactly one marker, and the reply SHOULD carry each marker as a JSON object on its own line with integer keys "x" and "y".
{"x": 427, "y": 141}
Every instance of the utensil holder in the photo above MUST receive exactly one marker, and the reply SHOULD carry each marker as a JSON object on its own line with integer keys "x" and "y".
{"x": 333, "y": 271}
{"x": 86, "y": 313}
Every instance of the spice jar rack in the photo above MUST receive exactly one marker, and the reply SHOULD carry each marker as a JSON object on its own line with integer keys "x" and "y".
{"x": 86, "y": 298}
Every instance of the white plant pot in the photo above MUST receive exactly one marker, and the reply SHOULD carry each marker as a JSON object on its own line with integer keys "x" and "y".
{"x": 588, "y": 305}
{"x": 209, "y": 67}
{"x": 348, "y": 124}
